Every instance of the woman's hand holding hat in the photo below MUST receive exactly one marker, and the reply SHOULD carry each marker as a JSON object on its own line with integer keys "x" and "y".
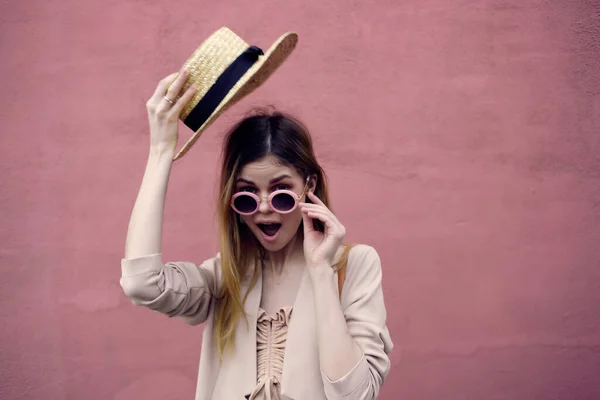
{"x": 164, "y": 109}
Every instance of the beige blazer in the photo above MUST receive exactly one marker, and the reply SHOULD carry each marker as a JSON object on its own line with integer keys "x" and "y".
{"x": 183, "y": 289}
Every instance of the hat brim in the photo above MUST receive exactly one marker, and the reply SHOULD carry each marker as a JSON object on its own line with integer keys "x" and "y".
{"x": 264, "y": 67}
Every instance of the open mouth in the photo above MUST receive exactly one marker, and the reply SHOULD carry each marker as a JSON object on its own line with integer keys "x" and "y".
{"x": 269, "y": 229}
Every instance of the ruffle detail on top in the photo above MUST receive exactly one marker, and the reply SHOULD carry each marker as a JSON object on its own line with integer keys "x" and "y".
{"x": 271, "y": 335}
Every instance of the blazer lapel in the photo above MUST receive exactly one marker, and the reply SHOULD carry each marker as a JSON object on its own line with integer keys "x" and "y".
{"x": 246, "y": 365}
{"x": 237, "y": 375}
{"x": 301, "y": 359}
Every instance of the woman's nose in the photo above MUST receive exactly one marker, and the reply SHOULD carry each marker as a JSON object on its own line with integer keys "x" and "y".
{"x": 263, "y": 205}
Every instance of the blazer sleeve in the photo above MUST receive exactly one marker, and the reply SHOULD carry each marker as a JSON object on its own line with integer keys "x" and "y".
{"x": 364, "y": 309}
{"x": 176, "y": 289}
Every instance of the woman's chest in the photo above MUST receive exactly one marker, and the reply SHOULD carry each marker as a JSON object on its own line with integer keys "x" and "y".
{"x": 279, "y": 291}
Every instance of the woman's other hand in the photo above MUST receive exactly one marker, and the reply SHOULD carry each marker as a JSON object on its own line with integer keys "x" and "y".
{"x": 320, "y": 247}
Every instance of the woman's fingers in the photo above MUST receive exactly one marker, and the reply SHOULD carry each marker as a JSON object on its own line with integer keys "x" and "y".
{"x": 313, "y": 206}
{"x": 308, "y": 225}
{"x": 319, "y": 203}
{"x": 183, "y": 100}
{"x": 169, "y": 87}
{"x": 162, "y": 87}
{"x": 315, "y": 199}
{"x": 175, "y": 89}
{"x": 333, "y": 228}
{"x": 321, "y": 208}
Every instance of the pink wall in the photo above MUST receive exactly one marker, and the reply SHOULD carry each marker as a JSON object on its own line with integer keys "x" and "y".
{"x": 461, "y": 139}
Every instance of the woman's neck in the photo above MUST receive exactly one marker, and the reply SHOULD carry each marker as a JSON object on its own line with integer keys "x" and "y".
{"x": 292, "y": 252}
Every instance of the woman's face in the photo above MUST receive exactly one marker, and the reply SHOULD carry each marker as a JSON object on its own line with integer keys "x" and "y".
{"x": 263, "y": 177}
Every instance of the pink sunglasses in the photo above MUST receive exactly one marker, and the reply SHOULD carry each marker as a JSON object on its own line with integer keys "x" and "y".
{"x": 281, "y": 201}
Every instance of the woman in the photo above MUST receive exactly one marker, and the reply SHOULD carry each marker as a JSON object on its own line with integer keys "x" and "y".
{"x": 276, "y": 325}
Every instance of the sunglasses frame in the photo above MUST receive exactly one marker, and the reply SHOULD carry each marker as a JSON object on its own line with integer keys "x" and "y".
{"x": 269, "y": 199}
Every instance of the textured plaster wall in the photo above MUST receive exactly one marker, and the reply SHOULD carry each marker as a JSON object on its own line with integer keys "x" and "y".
{"x": 461, "y": 139}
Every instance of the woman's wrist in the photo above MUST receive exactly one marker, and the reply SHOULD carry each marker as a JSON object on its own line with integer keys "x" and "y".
{"x": 162, "y": 150}
{"x": 321, "y": 272}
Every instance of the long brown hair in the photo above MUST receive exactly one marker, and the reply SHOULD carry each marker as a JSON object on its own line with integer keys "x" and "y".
{"x": 261, "y": 134}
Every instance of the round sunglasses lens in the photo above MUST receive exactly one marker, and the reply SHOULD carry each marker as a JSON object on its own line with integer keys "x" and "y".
{"x": 245, "y": 204}
{"x": 283, "y": 202}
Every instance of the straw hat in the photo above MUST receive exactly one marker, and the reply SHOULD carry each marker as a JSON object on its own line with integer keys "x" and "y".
{"x": 224, "y": 69}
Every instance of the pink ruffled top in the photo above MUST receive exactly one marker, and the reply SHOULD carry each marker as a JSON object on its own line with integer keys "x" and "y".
{"x": 270, "y": 349}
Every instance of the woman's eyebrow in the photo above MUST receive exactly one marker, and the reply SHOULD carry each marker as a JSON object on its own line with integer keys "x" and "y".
{"x": 272, "y": 181}
{"x": 245, "y": 181}
{"x": 279, "y": 178}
